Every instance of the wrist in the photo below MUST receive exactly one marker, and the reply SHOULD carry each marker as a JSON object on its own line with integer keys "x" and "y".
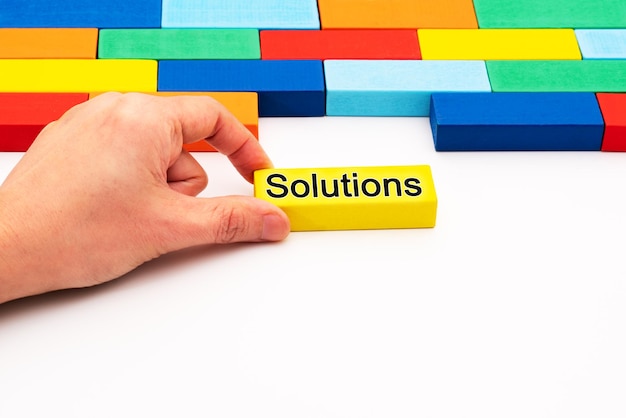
{"x": 16, "y": 273}
{"x": 8, "y": 273}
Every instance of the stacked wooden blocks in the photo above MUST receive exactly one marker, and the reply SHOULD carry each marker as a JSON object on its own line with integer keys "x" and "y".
{"x": 325, "y": 58}
{"x": 490, "y": 74}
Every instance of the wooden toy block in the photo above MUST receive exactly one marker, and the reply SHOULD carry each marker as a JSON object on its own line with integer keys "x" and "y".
{"x": 321, "y": 199}
{"x": 557, "y": 75}
{"x": 516, "y": 122}
{"x": 80, "y": 14}
{"x": 396, "y": 14}
{"x": 498, "y": 44}
{"x": 243, "y": 105}
{"x": 285, "y": 88}
{"x": 340, "y": 44}
{"x": 77, "y": 76}
{"x": 179, "y": 43}
{"x": 576, "y": 14}
{"x": 396, "y": 87}
{"x": 48, "y": 43}
{"x": 612, "y": 106}
{"x": 257, "y": 14}
{"x": 24, "y": 115}
{"x": 602, "y": 43}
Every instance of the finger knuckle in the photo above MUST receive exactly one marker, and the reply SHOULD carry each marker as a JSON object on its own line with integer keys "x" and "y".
{"x": 133, "y": 108}
{"x": 232, "y": 225}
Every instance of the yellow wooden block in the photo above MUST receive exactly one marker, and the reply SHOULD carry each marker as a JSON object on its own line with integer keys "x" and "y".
{"x": 498, "y": 44}
{"x": 317, "y": 199}
{"x": 77, "y": 75}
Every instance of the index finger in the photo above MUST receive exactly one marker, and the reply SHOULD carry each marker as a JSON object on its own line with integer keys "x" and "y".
{"x": 204, "y": 118}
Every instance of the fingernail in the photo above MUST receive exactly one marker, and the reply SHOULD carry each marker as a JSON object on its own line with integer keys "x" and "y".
{"x": 274, "y": 228}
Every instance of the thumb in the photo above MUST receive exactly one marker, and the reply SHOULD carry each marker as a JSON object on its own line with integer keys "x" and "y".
{"x": 224, "y": 220}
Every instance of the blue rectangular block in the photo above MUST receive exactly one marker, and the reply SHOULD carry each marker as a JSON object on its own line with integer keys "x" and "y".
{"x": 396, "y": 87}
{"x": 602, "y": 43}
{"x": 256, "y": 14}
{"x": 516, "y": 122}
{"x": 285, "y": 88}
{"x": 80, "y": 13}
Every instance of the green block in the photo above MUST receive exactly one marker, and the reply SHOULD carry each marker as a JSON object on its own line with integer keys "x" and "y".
{"x": 558, "y": 76}
{"x": 179, "y": 43}
{"x": 575, "y": 14}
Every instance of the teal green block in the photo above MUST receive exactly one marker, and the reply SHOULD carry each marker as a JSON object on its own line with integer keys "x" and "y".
{"x": 558, "y": 76}
{"x": 179, "y": 43}
{"x": 577, "y": 14}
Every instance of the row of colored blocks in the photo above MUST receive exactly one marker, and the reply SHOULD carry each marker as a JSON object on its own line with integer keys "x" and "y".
{"x": 459, "y": 121}
{"x": 314, "y": 199}
{"x": 24, "y": 115}
{"x": 528, "y": 121}
{"x": 428, "y": 44}
{"x": 318, "y": 88}
{"x": 314, "y": 14}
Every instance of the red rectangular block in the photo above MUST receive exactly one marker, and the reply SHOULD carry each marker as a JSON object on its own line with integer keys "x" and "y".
{"x": 613, "y": 107}
{"x": 24, "y": 115}
{"x": 340, "y": 44}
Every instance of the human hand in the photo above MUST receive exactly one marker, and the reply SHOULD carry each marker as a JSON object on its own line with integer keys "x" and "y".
{"x": 108, "y": 187}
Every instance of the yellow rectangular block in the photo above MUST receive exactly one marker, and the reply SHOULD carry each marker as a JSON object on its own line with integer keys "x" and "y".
{"x": 320, "y": 199}
{"x": 77, "y": 75}
{"x": 498, "y": 44}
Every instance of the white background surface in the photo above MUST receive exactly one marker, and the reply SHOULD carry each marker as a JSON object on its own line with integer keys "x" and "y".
{"x": 514, "y": 305}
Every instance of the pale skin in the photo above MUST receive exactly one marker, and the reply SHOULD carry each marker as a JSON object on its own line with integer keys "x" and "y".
{"x": 108, "y": 187}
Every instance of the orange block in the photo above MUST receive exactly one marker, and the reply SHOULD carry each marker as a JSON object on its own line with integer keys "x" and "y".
{"x": 244, "y": 105}
{"x": 397, "y": 14}
{"x": 53, "y": 43}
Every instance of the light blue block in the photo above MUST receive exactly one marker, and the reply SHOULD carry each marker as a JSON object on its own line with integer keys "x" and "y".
{"x": 602, "y": 43}
{"x": 396, "y": 87}
{"x": 256, "y": 14}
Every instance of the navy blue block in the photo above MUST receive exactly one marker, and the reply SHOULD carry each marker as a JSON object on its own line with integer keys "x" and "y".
{"x": 516, "y": 122}
{"x": 285, "y": 88}
{"x": 80, "y": 13}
